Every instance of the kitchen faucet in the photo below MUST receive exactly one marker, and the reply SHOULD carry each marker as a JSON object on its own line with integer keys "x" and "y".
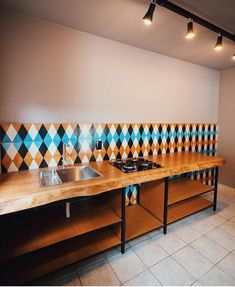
{"x": 65, "y": 161}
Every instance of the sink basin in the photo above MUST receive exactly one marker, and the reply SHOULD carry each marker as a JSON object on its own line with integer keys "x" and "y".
{"x": 77, "y": 173}
{"x": 49, "y": 178}
{"x": 55, "y": 177}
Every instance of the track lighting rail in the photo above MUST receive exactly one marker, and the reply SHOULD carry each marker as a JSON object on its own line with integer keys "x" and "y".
{"x": 181, "y": 11}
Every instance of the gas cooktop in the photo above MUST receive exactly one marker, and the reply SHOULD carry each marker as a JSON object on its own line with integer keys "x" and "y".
{"x": 134, "y": 164}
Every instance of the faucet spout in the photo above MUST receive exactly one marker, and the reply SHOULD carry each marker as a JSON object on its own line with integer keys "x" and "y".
{"x": 65, "y": 161}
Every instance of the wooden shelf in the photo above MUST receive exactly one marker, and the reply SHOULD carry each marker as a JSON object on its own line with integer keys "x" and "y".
{"x": 44, "y": 227}
{"x": 28, "y": 267}
{"x": 187, "y": 207}
{"x": 182, "y": 189}
{"x": 139, "y": 221}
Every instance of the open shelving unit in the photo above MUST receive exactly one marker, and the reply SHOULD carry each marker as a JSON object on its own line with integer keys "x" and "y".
{"x": 187, "y": 207}
{"x": 138, "y": 220}
{"x": 184, "y": 198}
{"x": 44, "y": 240}
{"x": 182, "y": 189}
{"x": 41, "y": 228}
{"x": 46, "y": 260}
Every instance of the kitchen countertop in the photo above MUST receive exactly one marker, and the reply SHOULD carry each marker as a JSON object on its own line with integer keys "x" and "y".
{"x": 21, "y": 190}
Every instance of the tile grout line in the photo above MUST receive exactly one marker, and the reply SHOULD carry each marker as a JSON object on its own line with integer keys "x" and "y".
{"x": 113, "y": 269}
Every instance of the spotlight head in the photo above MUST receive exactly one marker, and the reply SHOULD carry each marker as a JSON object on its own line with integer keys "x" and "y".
{"x": 148, "y": 17}
{"x": 190, "y": 32}
{"x": 233, "y": 57}
{"x": 219, "y": 43}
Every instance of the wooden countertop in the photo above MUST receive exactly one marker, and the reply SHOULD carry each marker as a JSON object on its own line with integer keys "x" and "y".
{"x": 21, "y": 190}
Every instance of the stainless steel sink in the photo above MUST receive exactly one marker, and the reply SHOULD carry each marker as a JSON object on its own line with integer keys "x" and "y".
{"x": 77, "y": 173}
{"x": 55, "y": 177}
{"x": 49, "y": 178}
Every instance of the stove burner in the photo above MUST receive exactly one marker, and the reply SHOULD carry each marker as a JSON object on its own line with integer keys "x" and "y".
{"x": 134, "y": 164}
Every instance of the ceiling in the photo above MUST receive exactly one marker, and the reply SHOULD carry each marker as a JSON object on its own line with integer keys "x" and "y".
{"x": 121, "y": 20}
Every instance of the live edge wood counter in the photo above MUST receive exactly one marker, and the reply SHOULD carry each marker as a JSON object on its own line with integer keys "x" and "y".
{"x": 21, "y": 190}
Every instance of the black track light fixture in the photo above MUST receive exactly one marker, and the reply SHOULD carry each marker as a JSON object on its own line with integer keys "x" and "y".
{"x": 148, "y": 17}
{"x": 219, "y": 43}
{"x": 190, "y": 32}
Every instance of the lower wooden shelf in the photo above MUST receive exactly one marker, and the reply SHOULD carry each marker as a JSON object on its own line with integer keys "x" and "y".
{"x": 33, "y": 265}
{"x": 40, "y": 228}
{"x": 186, "y": 207}
{"x": 182, "y": 189}
{"x": 139, "y": 221}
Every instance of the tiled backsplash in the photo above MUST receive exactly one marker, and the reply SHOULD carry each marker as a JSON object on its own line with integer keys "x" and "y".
{"x": 29, "y": 146}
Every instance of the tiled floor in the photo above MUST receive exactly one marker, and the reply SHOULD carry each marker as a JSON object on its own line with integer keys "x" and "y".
{"x": 199, "y": 250}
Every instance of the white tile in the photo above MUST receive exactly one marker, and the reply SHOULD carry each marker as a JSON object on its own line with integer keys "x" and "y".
{"x": 150, "y": 252}
{"x": 229, "y": 227}
{"x": 127, "y": 265}
{"x": 203, "y": 226}
{"x": 115, "y": 250}
{"x": 90, "y": 261}
{"x": 186, "y": 232}
{"x": 223, "y": 238}
{"x": 64, "y": 275}
{"x": 214, "y": 218}
{"x": 99, "y": 273}
{"x": 228, "y": 264}
{"x": 210, "y": 249}
{"x": 138, "y": 239}
{"x": 227, "y": 212}
{"x": 196, "y": 283}
{"x": 233, "y": 219}
{"x": 155, "y": 233}
{"x": 197, "y": 217}
{"x": 71, "y": 280}
{"x": 192, "y": 261}
{"x": 169, "y": 272}
{"x": 170, "y": 242}
{"x": 216, "y": 277}
{"x": 145, "y": 278}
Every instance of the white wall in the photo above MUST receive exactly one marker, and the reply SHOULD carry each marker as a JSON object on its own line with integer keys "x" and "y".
{"x": 50, "y": 73}
{"x": 226, "y": 126}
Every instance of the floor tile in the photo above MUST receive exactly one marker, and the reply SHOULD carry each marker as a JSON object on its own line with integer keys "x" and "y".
{"x": 169, "y": 272}
{"x": 155, "y": 233}
{"x": 57, "y": 276}
{"x": 170, "y": 242}
{"x": 223, "y": 238}
{"x": 138, "y": 239}
{"x": 196, "y": 283}
{"x": 115, "y": 250}
{"x": 186, "y": 232}
{"x": 227, "y": 212}
{"x": 127, "y": 265}
{"x": 99, "y": 273}
{"x": 214, "y": 218}
{"x": 192, "y": 261}
{"x": 210, "y": 249}
{"x": 71, "y": 280}
{"x": 228, "y": 264}
{"x": 216, "y": 277}
{"x": 233, "y": 219}
{"x": 229, "y": 227}
{"x": 145, "y": 278}
{"x": 203, "y": 226}
{"x": 90, "y": 261}
{"x": 150, "y": 252}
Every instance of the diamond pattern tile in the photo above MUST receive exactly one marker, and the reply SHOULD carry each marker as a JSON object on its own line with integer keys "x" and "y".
{"x": 30, "y": 146}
